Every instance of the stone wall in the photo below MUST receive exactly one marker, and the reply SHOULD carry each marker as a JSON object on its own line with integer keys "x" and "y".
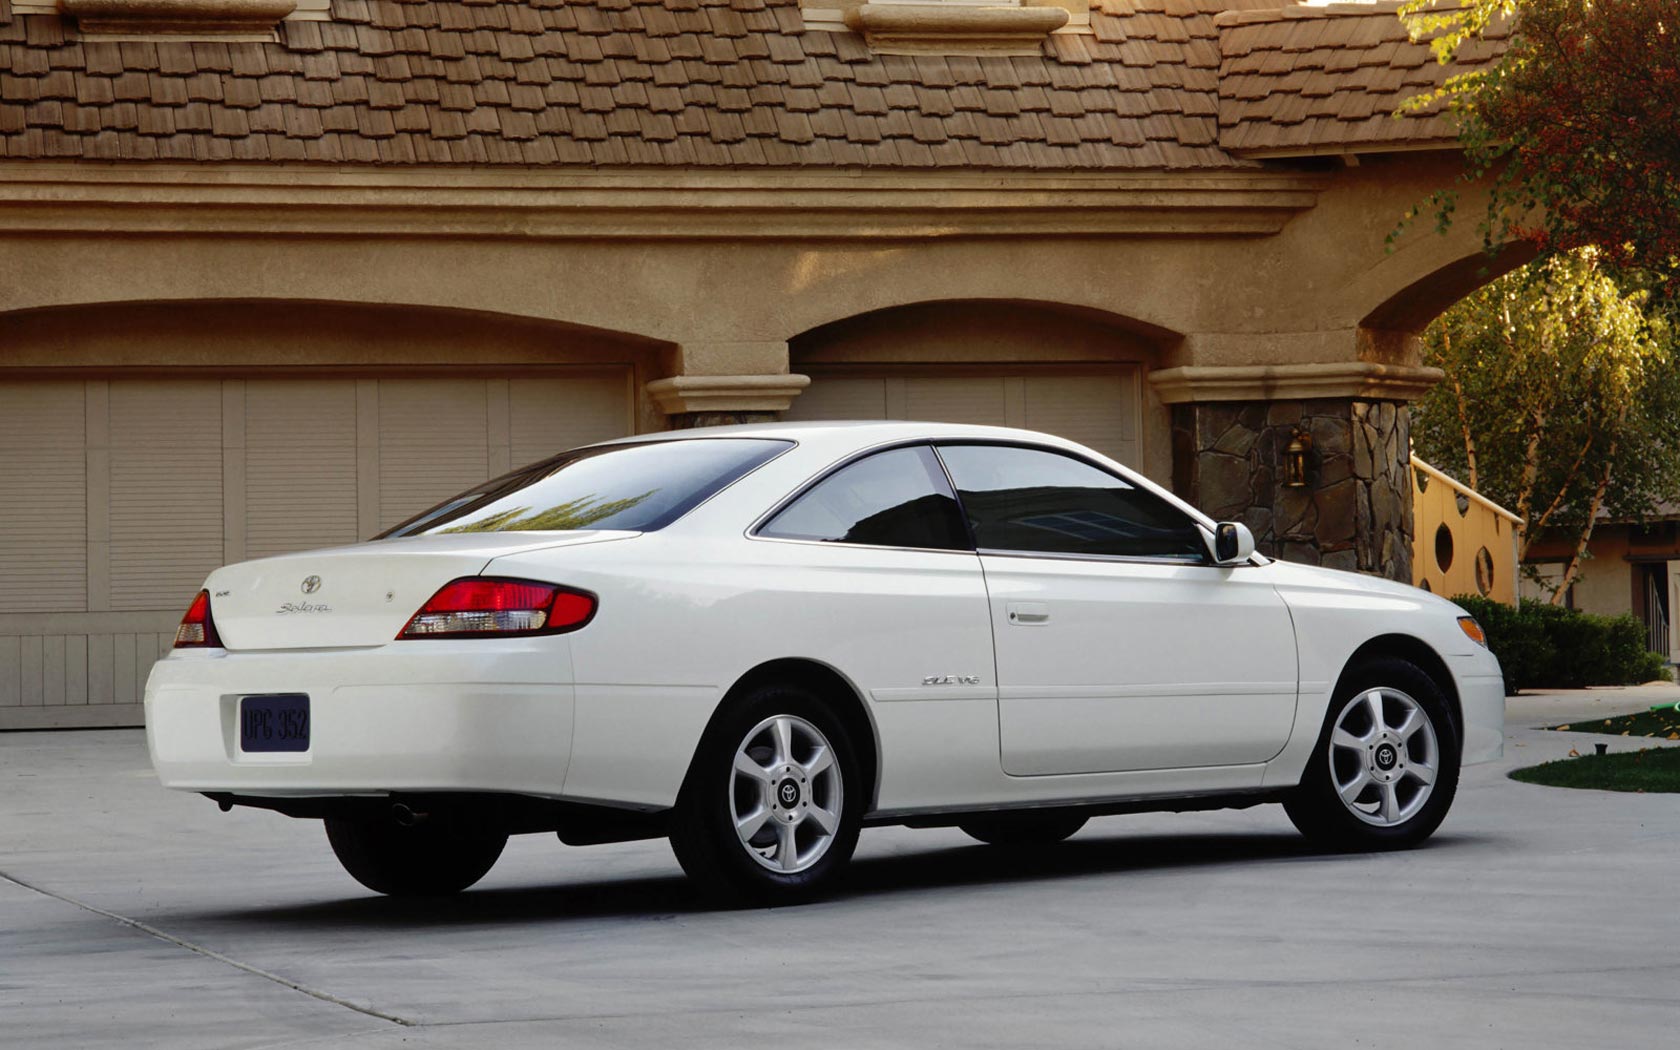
{"x": 689, "y": 420}
{"x": 1355, "y": 511}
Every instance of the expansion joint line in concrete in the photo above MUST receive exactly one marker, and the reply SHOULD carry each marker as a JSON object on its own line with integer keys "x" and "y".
{"x": 153, "y": 931}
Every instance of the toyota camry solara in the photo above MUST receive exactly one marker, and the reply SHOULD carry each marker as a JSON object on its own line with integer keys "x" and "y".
{"x": 758, "y": 640}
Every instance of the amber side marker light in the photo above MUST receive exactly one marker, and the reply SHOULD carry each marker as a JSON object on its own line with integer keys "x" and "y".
{"x": 197, "y": 630}
{"x": 1473, "y": 630}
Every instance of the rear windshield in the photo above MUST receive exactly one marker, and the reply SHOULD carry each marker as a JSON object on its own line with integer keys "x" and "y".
{"x": 636, "y": 488}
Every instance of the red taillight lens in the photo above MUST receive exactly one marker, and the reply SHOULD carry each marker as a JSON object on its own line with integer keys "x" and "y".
{"x": 197, "y": 630}
{"x": 477, "y": 606}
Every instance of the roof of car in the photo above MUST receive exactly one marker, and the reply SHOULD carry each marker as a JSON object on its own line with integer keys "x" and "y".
{"x": 858, "y": 431}
{"x": 838, "y": 438}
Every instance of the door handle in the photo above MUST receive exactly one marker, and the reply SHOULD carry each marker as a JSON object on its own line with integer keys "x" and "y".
{"x": 1028, "y": 614}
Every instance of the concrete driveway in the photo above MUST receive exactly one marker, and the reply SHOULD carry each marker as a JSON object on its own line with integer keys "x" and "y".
{"x": 133, "y": 917}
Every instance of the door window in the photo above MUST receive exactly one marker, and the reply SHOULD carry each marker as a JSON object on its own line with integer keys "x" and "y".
{"x": 898, "y": 498}
{"x": 1033, "y": 500}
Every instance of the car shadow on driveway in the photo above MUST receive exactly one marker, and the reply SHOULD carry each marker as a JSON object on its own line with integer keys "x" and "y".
{"x": 1094, "y": 855}
{"x": 940, "y": 868}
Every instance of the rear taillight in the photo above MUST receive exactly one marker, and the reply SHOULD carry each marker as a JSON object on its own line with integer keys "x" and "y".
{"x": 197, "y": 630}
{"x": 477, "y": 606}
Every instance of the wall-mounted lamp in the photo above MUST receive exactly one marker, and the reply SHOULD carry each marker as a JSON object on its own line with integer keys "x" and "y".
{"x": 1295, "y": 460}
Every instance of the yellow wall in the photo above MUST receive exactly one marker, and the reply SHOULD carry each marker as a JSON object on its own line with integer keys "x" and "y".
{"x": 1452, "y": 527}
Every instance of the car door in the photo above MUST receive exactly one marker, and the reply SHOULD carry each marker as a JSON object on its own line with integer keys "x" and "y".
{"x": 874, "y": 556}
{"x": 1119, "y": 645}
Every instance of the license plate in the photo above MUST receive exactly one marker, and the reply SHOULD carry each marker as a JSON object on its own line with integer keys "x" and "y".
{"x": 274, "y": 723}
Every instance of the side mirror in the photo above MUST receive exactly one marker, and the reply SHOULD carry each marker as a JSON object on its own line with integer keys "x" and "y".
{"x": 1232, "y": 543}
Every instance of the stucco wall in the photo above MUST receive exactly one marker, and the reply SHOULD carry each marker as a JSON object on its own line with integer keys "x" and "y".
{"x": 1605, "y": 583}
{"x": 714, "y": 275}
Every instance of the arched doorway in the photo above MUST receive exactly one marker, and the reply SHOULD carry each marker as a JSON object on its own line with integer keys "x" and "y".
{"x": 1065, "y": 370}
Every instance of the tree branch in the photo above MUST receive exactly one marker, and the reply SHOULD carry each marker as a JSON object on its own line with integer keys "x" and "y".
{"x": 1574, "y": 567}
{"x": 1563, "y": 489}
{"x": 1463, "y": 412}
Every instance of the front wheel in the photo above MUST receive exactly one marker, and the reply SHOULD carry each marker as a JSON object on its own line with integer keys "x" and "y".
{"x": 773, "y": 802}
{"x": 1386, "y": 766}
{"x": 434, "y": 858}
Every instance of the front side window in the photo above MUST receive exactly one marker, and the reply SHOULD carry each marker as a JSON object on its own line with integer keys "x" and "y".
{"x": 1032, "y": 500}
{"x": 636, "y": 488}
{"x": 898, "y": 498}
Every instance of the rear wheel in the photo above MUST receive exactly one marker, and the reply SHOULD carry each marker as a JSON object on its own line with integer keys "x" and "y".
{"x": 1386, "y": 766}
{"x": 773, "y": 802}
{"x": 1023, "y": 829}
{"x": 433, "y": 858}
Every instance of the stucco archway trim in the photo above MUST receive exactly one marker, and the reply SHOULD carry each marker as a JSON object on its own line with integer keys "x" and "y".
{"x": 897, "y": 333}
{"x": 272, "y": 334}
{"x": 1446, "y": 277}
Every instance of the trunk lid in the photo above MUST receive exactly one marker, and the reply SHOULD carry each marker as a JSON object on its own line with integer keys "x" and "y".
{"x": 356, "y": 596}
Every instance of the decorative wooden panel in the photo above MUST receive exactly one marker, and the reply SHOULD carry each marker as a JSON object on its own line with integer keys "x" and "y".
{"x": 1462, "y": 542}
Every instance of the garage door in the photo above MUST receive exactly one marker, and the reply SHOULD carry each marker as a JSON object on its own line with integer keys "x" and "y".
{"x": 118, "y": 497}
{"x": 1098, "y": 409}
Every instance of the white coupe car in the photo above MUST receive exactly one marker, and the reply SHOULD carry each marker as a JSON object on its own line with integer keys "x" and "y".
{"x": 757, "y": 640}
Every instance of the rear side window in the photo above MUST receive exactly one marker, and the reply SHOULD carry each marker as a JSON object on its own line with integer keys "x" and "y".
{"x": 636, "y": 488}
{"x": 898, "y": 498}
{"x": 1032, "y": 500}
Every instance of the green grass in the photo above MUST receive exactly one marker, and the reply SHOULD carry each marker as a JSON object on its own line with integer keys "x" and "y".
{"x": 1653, "y": 770}
{"x": 1664, "y": 723}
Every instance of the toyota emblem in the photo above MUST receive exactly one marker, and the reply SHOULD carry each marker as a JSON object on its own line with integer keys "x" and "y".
{"x": 311, "y": 584}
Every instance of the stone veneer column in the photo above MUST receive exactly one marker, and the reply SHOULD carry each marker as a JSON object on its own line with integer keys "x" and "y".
{"x": 1356, "y": 509}
{"x": 688, "y": 420}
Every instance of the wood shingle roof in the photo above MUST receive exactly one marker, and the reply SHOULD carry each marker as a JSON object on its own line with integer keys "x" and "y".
{"x": 693, "y": 83}
{"x": 1329, "y": 79}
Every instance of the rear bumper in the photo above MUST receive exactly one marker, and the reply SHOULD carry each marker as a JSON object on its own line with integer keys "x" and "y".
{"x": 414, "y": 716}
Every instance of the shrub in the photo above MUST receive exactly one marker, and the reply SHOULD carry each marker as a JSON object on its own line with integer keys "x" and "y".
{"x": 1652, "y": 667}
{"x": 1519, "y": 641}
{"x": 1547, "y": 646}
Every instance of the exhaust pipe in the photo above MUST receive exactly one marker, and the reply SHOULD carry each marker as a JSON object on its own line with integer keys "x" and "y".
{"x": 407, "y": 817}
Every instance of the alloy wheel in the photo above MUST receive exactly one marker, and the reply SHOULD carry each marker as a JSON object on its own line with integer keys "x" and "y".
{"x": 1384, "y": 757}
{"x": 786, "y": 794}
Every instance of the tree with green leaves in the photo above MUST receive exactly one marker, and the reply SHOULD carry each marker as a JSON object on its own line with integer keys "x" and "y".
{"x": 1561, "y": 399}
{"x": 1576, "y": 128}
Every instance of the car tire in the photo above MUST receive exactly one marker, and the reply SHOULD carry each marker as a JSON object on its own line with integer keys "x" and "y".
{"x": 1388, "y": 786}
{"x": 771, "y": 807}
{"x": 1023, "y": 829}
{"x": 434, "y": 858}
